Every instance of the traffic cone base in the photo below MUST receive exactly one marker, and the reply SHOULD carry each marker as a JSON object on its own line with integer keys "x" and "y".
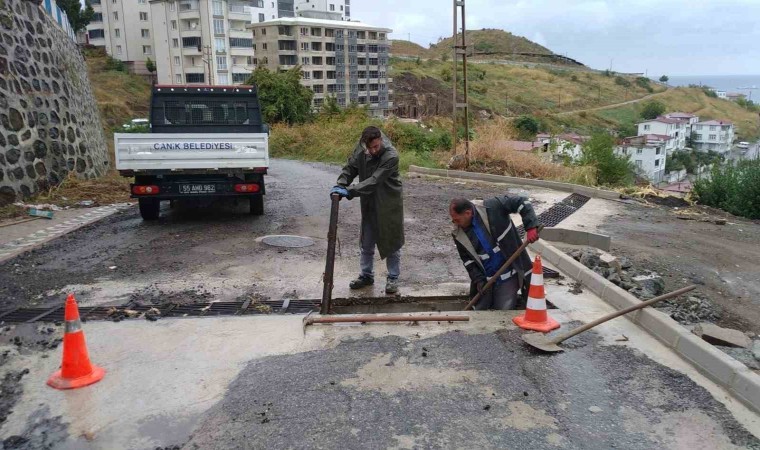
{"x": 544, "y": 327}
{"x": 57, "y": 381}
{"x": 536, "y": 318}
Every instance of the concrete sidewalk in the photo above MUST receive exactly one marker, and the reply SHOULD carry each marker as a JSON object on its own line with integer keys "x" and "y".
{"x": 259, "y": 382}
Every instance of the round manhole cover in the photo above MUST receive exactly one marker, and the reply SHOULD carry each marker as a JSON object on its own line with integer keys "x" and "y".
{"x": 287, "y": 241}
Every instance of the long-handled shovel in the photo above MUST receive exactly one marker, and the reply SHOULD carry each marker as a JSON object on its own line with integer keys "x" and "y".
{"x": 501, "y": 270}
{"x": 543, "y": 343}
{"x": 330, "y": 260}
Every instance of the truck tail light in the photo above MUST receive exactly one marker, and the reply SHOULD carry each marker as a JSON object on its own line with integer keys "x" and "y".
{"x": 145, "y": 190}
{"x": 247, "y": 188}
{"x": 260, "y": 170}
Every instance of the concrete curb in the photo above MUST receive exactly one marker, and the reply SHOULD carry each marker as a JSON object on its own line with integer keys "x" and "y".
{"x": 567, "y": 187}
{"x": 732, "y": 375}
{"x": 576, "y": 237}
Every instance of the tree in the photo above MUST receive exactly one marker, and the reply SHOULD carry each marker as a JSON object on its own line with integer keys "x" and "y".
{"x": 150, "y": 65}
{"x": 79, "y": 17}
{"x": 526, "y": 126}
{"x": 652, "y": 110}
{"x": 664, "y": 79}
{"x": 611, "y": 169}
{"x": 282, "y": 96}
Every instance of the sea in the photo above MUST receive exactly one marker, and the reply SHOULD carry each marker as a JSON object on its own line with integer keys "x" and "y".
{"x": 744, "y": 84}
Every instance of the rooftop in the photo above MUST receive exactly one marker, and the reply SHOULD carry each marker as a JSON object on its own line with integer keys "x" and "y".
{"x": 663, "y": 119}
{"x": 338, "y": 24}
{"x": 679, "y": 115}
{"x": 715, "y": 122}
{"x": 646, "y": 140}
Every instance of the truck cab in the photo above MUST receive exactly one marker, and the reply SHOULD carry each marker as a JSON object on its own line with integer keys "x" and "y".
{"x": 205, "y": 142}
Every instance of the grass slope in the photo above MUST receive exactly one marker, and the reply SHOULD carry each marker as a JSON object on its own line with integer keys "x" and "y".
{"x": 516, "y": 89}
{"x": 490, "y": 40}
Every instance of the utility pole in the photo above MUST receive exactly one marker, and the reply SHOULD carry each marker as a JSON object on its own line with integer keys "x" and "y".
{"x": 460, "y": 49}
{"x": 207, "y": 60}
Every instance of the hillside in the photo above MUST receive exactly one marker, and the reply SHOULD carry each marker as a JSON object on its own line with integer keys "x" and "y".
{"x": 514, "y": 89}
{"x": 401, "y": 47}
{"x": 690, "y": 100}
{"x": 491, "y": 40}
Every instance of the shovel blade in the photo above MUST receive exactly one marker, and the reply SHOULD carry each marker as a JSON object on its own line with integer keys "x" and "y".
{"x": 541, "y": 342}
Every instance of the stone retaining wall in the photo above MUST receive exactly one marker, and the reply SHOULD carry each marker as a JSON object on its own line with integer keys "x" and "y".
{"x": 49, "y": 121}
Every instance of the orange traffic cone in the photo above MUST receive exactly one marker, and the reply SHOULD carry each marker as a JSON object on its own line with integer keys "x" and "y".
{"x": 536, "y": 318}
{"x": 76, "y": 370}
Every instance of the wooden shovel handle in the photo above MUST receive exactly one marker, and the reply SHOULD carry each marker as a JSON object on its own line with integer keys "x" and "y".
{"x": 611, "y": 316}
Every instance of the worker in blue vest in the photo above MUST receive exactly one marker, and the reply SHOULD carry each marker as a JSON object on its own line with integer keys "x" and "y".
{"x": 486, "y": 237}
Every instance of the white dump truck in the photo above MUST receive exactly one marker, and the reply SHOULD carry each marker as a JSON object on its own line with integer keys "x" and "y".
{"x": 205, "y": 142}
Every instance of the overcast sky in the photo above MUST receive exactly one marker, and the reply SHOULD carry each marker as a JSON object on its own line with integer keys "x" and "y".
{"x": 674, "y": 37}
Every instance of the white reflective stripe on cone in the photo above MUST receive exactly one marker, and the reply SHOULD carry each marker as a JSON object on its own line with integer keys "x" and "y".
{"x": 537, "y": 279}
{"x": 536, "y": 304}
{"x": 505, "y": 232}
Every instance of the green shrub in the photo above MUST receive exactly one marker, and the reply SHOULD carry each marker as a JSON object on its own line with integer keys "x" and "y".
{"x": 115, "y": 65}
{"x": 574, "y": 78}
{"x": 622, "y": 81}
{"x": 611, "y": 169}
{"x": 526, "y": 126}
{"x": 733, "y": 188}
{"x": 652, "y": 109}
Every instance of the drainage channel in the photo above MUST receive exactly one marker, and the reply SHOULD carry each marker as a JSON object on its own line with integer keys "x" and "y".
{"x": 352, "y": 305}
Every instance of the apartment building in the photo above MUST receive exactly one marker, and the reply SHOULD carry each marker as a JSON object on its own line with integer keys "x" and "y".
{"x": 124, "y": 28}
{"x": 202, "y": 41}
{"x": 324, "y": 9}
{"x": 674, "y": 128}
{"x": 347, "y": 60}
{"x": 263, "y": 10}
{"x": 648, "y": 154}
{"x": 715, "y": 135}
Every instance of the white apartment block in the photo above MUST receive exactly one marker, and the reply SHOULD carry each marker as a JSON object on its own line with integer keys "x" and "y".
{"x": 675, "y": 129}
{"x": 202, "y": 41}
{"x": 648, "y": 154}
{"x": 324, "y": 9}
{"x": 263, "y": 10}
{"x": 715, "y": 135}
{"x": 347, "y": 60}
{"x": 124, "y": 28}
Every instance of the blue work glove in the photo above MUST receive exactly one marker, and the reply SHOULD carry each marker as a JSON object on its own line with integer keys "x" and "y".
{"x": 343, "y": 192}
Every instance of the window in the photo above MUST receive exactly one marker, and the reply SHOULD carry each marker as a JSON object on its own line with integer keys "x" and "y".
{"x": 316, "y": 60}
{"x": 362, "y": 74}
{"x": 316, "y": 46}
{"x": 221, "y": 62}
{"x": 373, "y": 35}
{"x": 657, "y": 151}
{"x": 145, "y": 33}
{"x": 712, "y": 127}
{"x": 175, "y": 43}
{"x": 362, "y": 61}
{"x": 241, "y": 42}
{"x": 142, "y": 2}
{"x": 699, "y": 127}
{"x": 372, "y": 48}
{"x": 218, "y": 26}
{"x": 254, "y": 47}
{"x": 118, "y": 49}
{"x": 329, "y": 32}
{"x": 639, "y": 151}
{"x": 330, "y": 74}
{"x": 639, "y": 163}
{"x": 374, "y": 74}
{"x": 382, "y": 36}
{"x": 288, "y": 60}
{"x": 341, "y": 7}
{"x": 96, "y": 34}
{"x": 287, "y": 45}
{"x": 316, "y": 32}
{"x": 363, "y": 100}
{"x": 218, "y": 8}
{"x": 352, "y": 48}
{"x": 220, "y": 44}
{"x": 172, "y": 7}
{"x": 117, "y": 32}
{"x": 361, "y": 48}
{"x": 304, "y": 31}
{"x": 240, "y": 77}
{"x": 178, "y": 77}
{"x": 97, "y": 17}
{"x": 373, "y": 61}
{"x": 329, "y": 47}
{"x": 657, "y": 163}
{"x": 699, "y": 137}
{"x": 381, "y": 74}
{"x": 258, "y": 3}
{"x": 712, "y": 137}
{"x": 116, "y": 15}
{"x": 195, "y": 77}
{"x": 306, "y": 75}
{"x": 331, "y": 89}
{"x": 250, "y": 61}
{"x": 177, "y": 61}
{"x": 305, "y": 46}
{"x": 362, "y": 87}
{"x": 262, "y": 18}
{"x": 318, "y": 74}
{"x": 361, "y": 35}
{"x": 374, "y": 99}
{"x": 263, "y": 31}
{"x": 147, "y": 50}
{"x": 144, "y": 16}
{"x": 332, "y": 7}
{"x": 222, "y": 78}
{"x": 174, "y": 24}
{"x": 264, "y": 46}
{"x": 330, "y": 60}
{"x": 305, "y": 61}
{"x": 191, "y": 42}
{"x": 319, "y": 101}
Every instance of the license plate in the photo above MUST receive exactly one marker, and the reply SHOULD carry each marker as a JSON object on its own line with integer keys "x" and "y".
{"x": 197, "y": 188}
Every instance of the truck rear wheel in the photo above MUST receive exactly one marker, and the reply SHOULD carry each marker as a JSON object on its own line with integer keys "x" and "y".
{"x": 149, "y": 208}
{"x": 257, "y": 204}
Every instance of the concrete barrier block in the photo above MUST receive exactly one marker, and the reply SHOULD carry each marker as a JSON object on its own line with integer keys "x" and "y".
{"x": 660, "y": 326}
{"x": 599, "y": 241}
{"x": 619, "y": 298}
{"x": 713, "y": 362}
{"x": 595, "y": 282}
{"x": 747, "y": 388}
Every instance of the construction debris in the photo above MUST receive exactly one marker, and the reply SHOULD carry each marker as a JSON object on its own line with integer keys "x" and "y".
{"x": 722, "y": 336}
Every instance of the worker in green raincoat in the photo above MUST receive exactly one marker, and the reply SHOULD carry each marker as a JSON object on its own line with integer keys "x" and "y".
{"x": 375, "y": 162}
